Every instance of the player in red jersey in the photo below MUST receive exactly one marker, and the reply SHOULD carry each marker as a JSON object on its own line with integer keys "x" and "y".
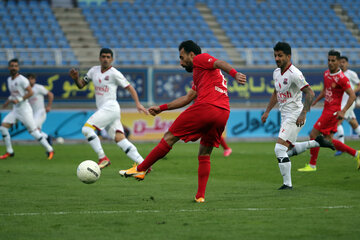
{"x": 205, "y": 119}
{"x": 335, "y": 84}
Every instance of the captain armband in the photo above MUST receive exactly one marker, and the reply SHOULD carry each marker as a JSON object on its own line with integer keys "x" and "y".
{"x": 86, "y": 79}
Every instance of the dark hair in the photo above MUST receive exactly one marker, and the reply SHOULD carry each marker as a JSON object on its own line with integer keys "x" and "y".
{"x": 344, "y": 57}
{"x": 13, "y": 60}
{"x": 106, "y": 50}
{"x": 283, "y": 46}
{"x": 332, "y": 52}
{"x": 190, "y": 46}
{"x": 30, "y": 75}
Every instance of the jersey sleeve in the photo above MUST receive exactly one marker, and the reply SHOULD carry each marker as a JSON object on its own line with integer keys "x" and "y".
{"x": 300, "y": 80}
{"x": 89, "y": 76}
{"x": 193, "y": 87}
{"x": 24, "y": 82}
{"x": 344, "y": 83}
{"x": 120, "y": 80}
{"x": 355, "y": 78}
{"x": 43, "y": 90}
{"x": 205, "y": 61}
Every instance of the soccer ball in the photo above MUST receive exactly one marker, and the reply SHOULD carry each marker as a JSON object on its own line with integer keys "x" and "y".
{"x": 88, "y": 171}
{"x": 60, "y": 140}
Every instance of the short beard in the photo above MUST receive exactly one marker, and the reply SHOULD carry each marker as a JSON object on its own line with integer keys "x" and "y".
{"x": 189, "y": 68}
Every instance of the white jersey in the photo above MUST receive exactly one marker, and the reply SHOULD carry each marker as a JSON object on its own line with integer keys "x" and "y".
{"x": 17, "y": 88}
{"x": 288, "y": 87}
{"x": 106, "y": 84}
{"x": 37, "y": 99}
{"x": 354, "y": 81}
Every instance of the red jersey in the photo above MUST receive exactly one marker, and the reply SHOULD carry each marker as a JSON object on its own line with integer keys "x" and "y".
{"x": 209, "y": 82}
{"x": 335, "y": 85}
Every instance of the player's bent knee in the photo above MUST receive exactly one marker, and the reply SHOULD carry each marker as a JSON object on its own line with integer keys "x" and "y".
{"x": 87, "y": 131}
{"x": 280, "y": 150}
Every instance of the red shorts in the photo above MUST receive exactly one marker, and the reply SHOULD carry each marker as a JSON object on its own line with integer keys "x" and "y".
{"x": 203, "y": 121}
{"x": 327, "y": 123}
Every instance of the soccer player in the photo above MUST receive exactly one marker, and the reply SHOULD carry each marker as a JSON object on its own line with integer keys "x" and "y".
{"x": 289, "y": 85}
{"x": 205, "y": 118}
{"x": 20, "y": 92}
{"x": 106, "y": 80}
{"x": 37, "y": 104}
{"x": 349, "y": 115}
{"x": 335, "y": 84}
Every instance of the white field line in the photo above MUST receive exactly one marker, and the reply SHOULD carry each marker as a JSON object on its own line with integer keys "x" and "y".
{"x": 168, "y": 211}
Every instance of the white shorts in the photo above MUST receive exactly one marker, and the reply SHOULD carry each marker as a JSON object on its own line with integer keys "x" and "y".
{"x": 289, "y": 131}
{"x": 24, "y": 115}
{"x": 39, "y": 118}
{"x": 110, "y": 120}
{"x": 350, "y": 113}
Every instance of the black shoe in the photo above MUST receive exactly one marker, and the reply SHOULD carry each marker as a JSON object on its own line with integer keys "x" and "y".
{"x": 49, "y": 139}
{"x": 285, "y": 187}
{"x": 324, "y": 143}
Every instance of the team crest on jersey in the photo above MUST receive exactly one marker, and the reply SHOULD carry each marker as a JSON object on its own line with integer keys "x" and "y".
{"x": 99, "y": 80}
{"x": 285, "y": 81}
{"x": 210, "y": 59}
{"x": 107, "y": 78}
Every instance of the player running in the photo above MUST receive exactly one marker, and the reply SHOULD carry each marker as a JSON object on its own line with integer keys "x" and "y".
{"x": 289, "y": 85}
{"x": 106, "y": 80}
{"x": 335, "y": 84}
{"x": 37, "y": 104}
{"x": 349, "y": 115}
{"x": 20, "y": 92}
{"x": 205, "y": 119}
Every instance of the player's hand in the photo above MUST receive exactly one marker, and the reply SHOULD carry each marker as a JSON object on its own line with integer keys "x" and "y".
{"x": 74, "y": 74}
{"x": 339, "y": 115}
{"x": 264, "y": 117}
{"x": 141, "y": 108}
{"x": 301, "y": 120}
{"x": 240, "y": 78}
{"x": 48, "y": 109}
{"x": 154, "y": 110}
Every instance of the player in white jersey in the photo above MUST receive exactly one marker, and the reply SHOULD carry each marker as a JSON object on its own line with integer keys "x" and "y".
{"x": 38, "y": 106}
{"x": 349, "y": 115}
{"x": 106, "y": 80}
{"x": 289, "y": 85}
{"x": 20, "y": 91}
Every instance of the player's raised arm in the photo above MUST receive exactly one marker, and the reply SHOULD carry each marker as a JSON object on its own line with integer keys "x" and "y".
{"x": 238, "y": 76}
{"x": 177, "y": 103}
{"x": 135, "y": 97}
{"x": 74, "y": 74}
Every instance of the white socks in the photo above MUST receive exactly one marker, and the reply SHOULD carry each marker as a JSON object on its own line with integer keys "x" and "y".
{"x": 93, "y": 140}
{"x": 7, "y": 139}
{"x": 300, "y": 147}
{"x": 284, "y": 163}
{"x": 38, "y": 136}
{"x": 340, "y": 133}
{"x": 130, "y": 150}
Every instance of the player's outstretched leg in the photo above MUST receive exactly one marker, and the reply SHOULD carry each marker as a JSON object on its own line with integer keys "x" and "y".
{"x": 49, "y": 150}
{"x": 95, "y": 143}
{"x": 324, "y": 143}
{"x": 130, "y": 150}
{"x": 7, "y": 139}
{"x": 139, "y": 172}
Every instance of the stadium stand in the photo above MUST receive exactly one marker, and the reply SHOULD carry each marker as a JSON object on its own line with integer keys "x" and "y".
{"x": 30, "y": 32}
{"x": 145, "y": 32}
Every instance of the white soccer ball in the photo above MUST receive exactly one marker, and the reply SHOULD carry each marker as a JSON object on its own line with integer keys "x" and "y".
{"x": 60, "y": 140}
{"x": 88, "y": 171}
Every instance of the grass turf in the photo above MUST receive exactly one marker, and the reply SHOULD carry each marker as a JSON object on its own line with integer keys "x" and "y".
{"x": 42, "y": 199}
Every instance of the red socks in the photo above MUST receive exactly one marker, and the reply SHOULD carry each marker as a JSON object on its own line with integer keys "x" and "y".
{"x": 203, "y": 175}
{"x": 223, "y": 143}
{"x": 158, "y": 152}
{"x": 343, "y": 147}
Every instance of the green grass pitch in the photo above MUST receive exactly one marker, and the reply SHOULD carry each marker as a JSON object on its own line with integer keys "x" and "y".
{"x": 42, "y": 199}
